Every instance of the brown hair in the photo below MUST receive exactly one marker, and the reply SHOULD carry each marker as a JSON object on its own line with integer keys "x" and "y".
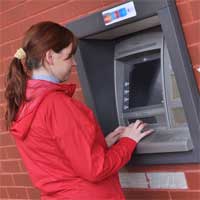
{"x": 38, "y": 39}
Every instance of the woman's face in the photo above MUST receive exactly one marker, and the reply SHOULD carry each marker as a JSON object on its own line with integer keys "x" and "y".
{"x": 62, "y": 66}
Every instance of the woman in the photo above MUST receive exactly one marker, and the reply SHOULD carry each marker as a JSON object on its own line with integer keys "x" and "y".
{"x": 59, "y": 139}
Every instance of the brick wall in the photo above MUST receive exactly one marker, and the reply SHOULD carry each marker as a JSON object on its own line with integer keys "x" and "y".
{"x": 147, "y": 182}
{"x": 189, "y": 11}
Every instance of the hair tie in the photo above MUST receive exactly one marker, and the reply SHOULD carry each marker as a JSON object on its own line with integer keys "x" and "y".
{"x": 20, "y": 54}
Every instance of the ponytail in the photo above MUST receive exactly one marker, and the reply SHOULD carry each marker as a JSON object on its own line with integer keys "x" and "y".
{"x": 15, "y": 89}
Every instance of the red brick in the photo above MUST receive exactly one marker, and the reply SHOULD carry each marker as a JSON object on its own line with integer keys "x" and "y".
{"x": 26, "y": 10}
{"x": 7, "y": 61}
{"x": 12, "y": 32}
{"x": 2, "y": 126}
{"x": 194, "y": 54}
{"x": 185, "y": 12}
{"x": 185, "y": 195}
{"x": 9, "y": 49}
{"x": 12, "y": 152}
{"x": 109, "y": 3}
{"x": 144, "y": 194}
{"x": 2, "y": 111}
{"x": 87, "y": 6}
{"x": 4, "y": 132}
{"x": 57, "y": 14}
{"x": 192, "y": 33}
{"x": 6, "y": 139}
{"x": 1, "y": 49}
{"x": 22, "y": 180}
{"x": 2, "y": 98}
{"x": 36, "y": 7}
{"x": 195, "y": 7}
{"x": 33, "y": 193}
{"x": 3, "y": 154}
{"x": 2, "y": 82}
{"x": 10, "y": 166}
{"x": 17, "y": 193}
{"x": 193, "y": 180}
{"x": 22, "y": 167}
{"x": 8, "y": 4}
{"x": 1, "y": 66}
{"x": 3, "y": 193}
{"x": 6, "y": 180}
{"x": 6, "y": 65}
{"x": 12, "y": 15}
{"x": 54, "y": 14}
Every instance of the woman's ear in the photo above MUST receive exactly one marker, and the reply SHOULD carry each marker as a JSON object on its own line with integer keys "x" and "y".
{"x": 49, "y": 57}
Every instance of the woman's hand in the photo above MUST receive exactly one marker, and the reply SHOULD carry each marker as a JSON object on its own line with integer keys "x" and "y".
{"x": 114, "y": 136}
{"x": 136, "y": 131}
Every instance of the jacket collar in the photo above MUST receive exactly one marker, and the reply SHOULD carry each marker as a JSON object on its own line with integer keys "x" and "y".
{"x": 36, "y": 92}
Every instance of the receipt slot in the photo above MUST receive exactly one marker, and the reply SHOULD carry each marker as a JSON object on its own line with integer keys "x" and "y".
{"x": 133, "y": 64}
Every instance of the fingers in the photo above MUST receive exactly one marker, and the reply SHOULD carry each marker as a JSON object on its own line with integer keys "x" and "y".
{"x": 115, "y": 133}
{"x": 136, "y": 124}
{"x": 119, "y": 129}
{"x": 136, "y": 131}
{"x": 148, "y": 132}
{"x": 140, "y": 135}
{"x": 142, "y": 126}
{"x": 139, "y": 125}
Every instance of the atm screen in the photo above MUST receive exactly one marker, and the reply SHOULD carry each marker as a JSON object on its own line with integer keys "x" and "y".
{"x": 145, "y": 84}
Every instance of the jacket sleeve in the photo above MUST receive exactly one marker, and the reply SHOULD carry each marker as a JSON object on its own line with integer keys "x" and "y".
{"x": 74, "y": 127}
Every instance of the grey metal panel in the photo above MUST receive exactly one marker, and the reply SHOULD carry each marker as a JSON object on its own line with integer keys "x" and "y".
{"x": 183, "y": 71}
{"x": 165, "y": 143}
{"x": 84, "y": 81}
{"x": 171, "y": 101}
{"x": 146, "y": 113}
{"x": 127, "y": 29}
{"x": 118, "y": 88}
{"x": 139, "y": 43}
{"x": 94, "y": 23}
{"x": 98, "y": 66}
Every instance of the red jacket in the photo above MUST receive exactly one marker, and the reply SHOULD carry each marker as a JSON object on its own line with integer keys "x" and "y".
{"x": 63, "y": 147}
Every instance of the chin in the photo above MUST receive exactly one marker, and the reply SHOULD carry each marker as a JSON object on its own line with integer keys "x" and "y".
{"x": 64, "y": 79}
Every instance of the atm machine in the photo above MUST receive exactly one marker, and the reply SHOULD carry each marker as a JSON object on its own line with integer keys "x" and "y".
{"x": 133, "y": 64}
{"x": 146, "y": 89}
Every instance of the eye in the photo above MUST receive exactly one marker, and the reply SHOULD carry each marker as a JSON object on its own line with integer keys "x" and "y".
{"x": 69, "y": 56}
